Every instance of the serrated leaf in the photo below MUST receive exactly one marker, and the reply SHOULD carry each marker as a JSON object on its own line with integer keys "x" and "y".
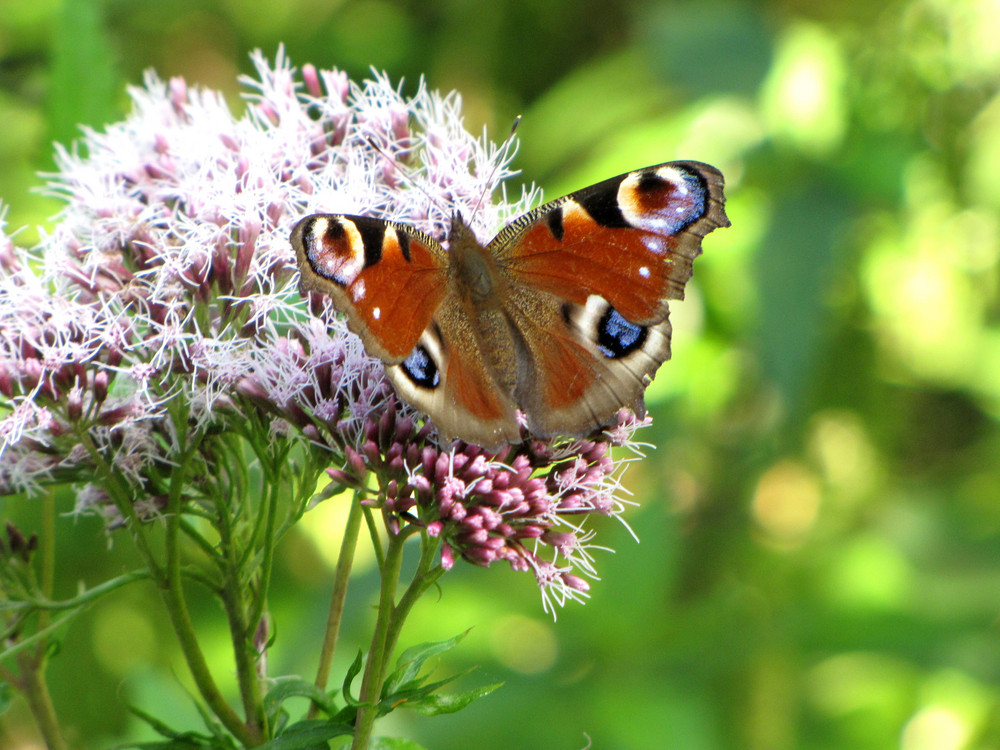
{"x": 414, "y": 692}
{"x": 311, "y": 734}
{"x": 434, "y": 705}
{"x": 410, "y": 662}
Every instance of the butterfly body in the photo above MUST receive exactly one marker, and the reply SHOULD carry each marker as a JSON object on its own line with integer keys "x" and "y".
{"x": 563, "y": 315}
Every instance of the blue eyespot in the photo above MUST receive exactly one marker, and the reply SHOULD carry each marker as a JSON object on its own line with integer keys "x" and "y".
{"x": 421, "y": 369}
{"x": 616, "y": 337}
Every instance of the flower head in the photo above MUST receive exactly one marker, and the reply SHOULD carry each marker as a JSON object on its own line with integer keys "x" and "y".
{"x": 162, "y": 309}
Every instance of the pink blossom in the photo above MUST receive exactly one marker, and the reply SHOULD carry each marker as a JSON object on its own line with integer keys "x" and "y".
{"x": 163, "y": 308}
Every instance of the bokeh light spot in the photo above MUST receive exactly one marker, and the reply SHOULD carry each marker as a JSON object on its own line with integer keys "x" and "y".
{"x": 124, "y": 638}
{"x": 786, "y": 503}
{"x": 934, "y": 728}
{"x": 803, "y": 97}
{"x": 524, "y": 644}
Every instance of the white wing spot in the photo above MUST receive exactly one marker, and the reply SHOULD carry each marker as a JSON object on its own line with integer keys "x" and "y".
{"x": 644, "y": 272}
{"x": 653, "y": 243}
{"x": 376, "y": 312}
{"x": 358, "y": 291}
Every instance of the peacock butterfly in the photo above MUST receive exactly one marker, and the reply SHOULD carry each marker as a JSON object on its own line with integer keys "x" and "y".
{"x": 562, "y": 315}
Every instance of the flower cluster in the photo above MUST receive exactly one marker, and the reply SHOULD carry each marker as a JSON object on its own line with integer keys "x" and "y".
{"x": 164, "y": 302}
{"x": 517, "y": 505}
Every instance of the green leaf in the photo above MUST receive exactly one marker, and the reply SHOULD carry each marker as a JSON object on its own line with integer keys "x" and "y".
{"x": 6, "y": 697}
{"x": 80, "y": 47}
{"x": 173, "y": 739}
{"x": 26, "y": 643}
{"x": 410, "y": 662}
{"x": 352, "y": 672}
{"x": 155, "y": 724}
{"x": 218, "y": 740}
{"x": 414, "y": 692}
{"x": 434, "y": 705}
{"x": 292, "y": 686}
{"x": 219, "y": 732}
{"x": 311, "y": 734}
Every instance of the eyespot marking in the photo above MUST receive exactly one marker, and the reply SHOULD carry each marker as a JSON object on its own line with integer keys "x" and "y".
{"x": 616, "y": 337}
{"x": 421, "y": 368}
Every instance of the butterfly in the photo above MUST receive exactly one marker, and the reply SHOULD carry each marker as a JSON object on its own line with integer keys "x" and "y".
{"x": 563, "y": 315}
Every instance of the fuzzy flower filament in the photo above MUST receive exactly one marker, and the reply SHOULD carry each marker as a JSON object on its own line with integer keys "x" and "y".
{"x": 161, "y": 313}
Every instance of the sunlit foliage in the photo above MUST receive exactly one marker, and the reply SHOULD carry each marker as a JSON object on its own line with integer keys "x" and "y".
{"x": 819, "y": 564}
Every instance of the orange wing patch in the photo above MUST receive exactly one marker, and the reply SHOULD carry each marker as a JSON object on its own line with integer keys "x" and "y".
{"x": 564, "y": 372}
{"x": 397, "y": 298}
{"x": 387, "y": 281}
{"x": 622, "y": 265}
{"x": 474, "y": 390}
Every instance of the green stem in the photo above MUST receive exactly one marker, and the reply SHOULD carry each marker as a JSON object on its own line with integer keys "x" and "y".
{"x": 371, "y": 684}
{"x": 43, "y": 603}
{"x": 180, "y": 618}
{"x": 373, "y": 532}
{"x": 423, "y": 579}
{"x": 38, "y": 638}
{"x": 237, "y": 614}
{"x": 48, "y": 554}
{"x": 32, "y": 665}
{"x": 121, "y": 496}
{"x": 39, "y": 700}
{"x": 240, "y": 631}
{"x": 267, "y": 556}
{"x": 344, "y": 562}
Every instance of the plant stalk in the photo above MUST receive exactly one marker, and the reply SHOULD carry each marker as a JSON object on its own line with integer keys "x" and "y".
{"x": 343, "y": 573}
{"x": 32, "y": 666}
{"x": 371, "y": 684}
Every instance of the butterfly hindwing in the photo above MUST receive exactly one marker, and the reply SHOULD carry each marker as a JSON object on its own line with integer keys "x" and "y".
{"x": 584, "y": 362}
{"x": 453, "y": 376}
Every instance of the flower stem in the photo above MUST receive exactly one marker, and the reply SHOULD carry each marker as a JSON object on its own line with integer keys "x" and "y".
{"x": 344, "y": 562}
{"x": 378, "y": 656}
{"x": 32, "y": 665}
{"x": 424, "y": 577}
{"x": 39, "y": 701}
{"x": 180, "y": 618}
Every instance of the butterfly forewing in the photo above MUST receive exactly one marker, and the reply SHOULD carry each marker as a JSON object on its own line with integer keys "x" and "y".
{"x": 630, "y": 239}
{"x": 387, "y": 278}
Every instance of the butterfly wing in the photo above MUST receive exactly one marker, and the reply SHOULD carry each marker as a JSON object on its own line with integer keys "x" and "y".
{"x": 393, "y": 284}
{"x": 388, "y": 279}
{"x": 592, "y": 274}
{"x": 575, "y": 330}
{"x": 451, "y": 376}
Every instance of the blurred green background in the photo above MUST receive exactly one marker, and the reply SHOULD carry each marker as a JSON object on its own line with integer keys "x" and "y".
{"x": 819, "y": 564}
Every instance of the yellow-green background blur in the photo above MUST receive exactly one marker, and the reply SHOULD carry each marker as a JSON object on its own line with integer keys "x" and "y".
{"x": 819, "y": 564}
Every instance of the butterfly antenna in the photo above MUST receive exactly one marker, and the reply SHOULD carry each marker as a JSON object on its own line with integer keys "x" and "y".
{"x": 407, "y": 174}
{"x": 502, "y": 153}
